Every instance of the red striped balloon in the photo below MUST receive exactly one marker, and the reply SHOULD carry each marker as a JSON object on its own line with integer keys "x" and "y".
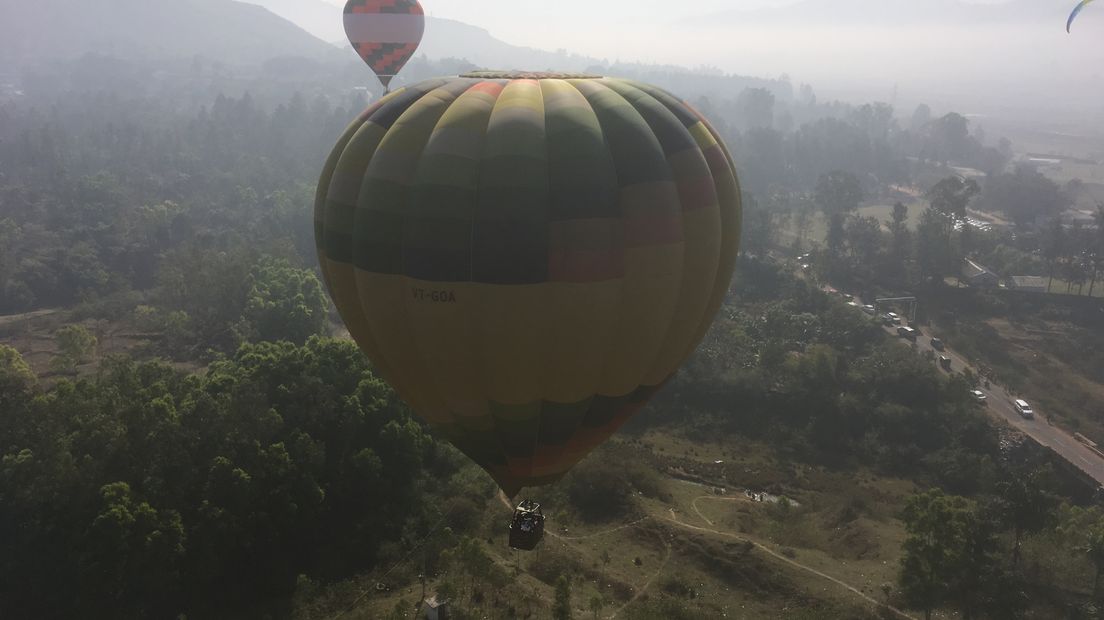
{"x": 385, "y": 33}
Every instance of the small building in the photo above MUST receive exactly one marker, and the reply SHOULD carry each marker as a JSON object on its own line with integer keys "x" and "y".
{"x": 978, "y": 275}
{"x": 437, "y": 609}
{"x": 1028, "y": 284}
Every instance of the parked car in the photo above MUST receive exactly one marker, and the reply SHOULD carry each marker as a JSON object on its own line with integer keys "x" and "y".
{"x": 979, "y": 396}
{"x": 937, "y": 344}
{"x": 1024, "y": 409}
{"x": 907, "y": 333}
{"x": 890, "y": 319}
{"x": 945, "y": 362}
{"x": 869, "y": 309}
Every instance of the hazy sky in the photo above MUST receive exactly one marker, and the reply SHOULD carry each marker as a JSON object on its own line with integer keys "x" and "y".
{"x": 1018, "y": 56}
{"x": 596, "y": 27}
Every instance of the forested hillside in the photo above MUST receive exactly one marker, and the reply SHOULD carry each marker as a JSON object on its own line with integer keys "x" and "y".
{"x": 223, "y": 30}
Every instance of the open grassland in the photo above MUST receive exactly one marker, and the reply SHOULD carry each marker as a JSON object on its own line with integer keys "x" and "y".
{"x": 1089, "y": 173}
{"x": 699, "y": 547}
{"x": 33, "y": 336}
{"x": 1067, "y": 170}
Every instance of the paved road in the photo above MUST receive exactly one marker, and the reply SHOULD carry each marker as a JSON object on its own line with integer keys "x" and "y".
{"x": 999, "y": 404}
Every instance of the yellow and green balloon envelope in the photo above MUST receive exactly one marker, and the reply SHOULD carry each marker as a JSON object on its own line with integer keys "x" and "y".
{"x": 527, "y": 258}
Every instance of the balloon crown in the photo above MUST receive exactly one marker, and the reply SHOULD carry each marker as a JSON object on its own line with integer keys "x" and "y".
{"x": 530, "y": 75}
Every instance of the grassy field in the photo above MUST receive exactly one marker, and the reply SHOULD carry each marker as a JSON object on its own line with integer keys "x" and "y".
{"x": 1092, "y": 175}
{"x": 32, "y": 335}
{"x": 818, "y": 226}
{"x": 698, "y": 551}
{"x": 1067, "y": 170}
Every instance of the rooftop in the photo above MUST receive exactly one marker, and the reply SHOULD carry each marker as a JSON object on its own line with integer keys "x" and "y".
{"x": 1028, "y": 282}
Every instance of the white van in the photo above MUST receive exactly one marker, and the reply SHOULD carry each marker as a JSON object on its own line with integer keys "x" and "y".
{"x": 1024, "y": 409}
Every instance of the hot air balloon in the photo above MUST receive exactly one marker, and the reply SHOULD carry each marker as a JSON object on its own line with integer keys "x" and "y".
{"x": 385, "y": 33}
{"x": 528, "y": 258}
{"x": 1076, "y": 11}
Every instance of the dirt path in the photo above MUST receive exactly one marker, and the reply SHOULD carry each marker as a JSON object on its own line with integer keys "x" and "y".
{"x": 642, "y": 588}
{"x": 694, "y": 504}
{"x": 12, "y": 319}
{"x": 674, "y": 519}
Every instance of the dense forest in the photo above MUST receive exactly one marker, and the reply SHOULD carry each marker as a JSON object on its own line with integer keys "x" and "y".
{"x": 143, "y": 491}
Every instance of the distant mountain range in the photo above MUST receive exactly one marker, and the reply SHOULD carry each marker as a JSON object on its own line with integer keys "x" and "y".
{"x": 222, "y": 30}
{"x": 319, "y": 18}
{"x": 444, "y": 38}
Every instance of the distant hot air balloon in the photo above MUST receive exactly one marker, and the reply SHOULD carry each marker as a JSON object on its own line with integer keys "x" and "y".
{"x": 385, "y": 33}
{"x": 1076, "y": 11}
{"x": 528, "y": 258}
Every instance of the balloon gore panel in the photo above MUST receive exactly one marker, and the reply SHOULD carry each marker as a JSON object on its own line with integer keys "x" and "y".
{"x": 527, "y": 258}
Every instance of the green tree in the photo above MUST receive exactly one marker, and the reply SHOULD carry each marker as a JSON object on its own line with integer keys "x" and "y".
{"x": 937, "y": 553}
{"x": 933, "y": 245}
{"x": 596, "y": 605}
{"x": 561, "y": 606}
{"x": 757, "y": 108}
{"x": 600, "y": 489}
{"x": 1025, "y": 195}
{"x": 900, "y": 241}
{"x": 75, "y": 346}
{"x": 471, "y": 559}
{"x": 210, "y": 286}
{"x": 758, "y": 227}
{"x": 17, "y": 386}
{"x": 952, "y": 195}
{"x": 133, "y": 554}
{"x": 1054, "y": 246}
{"x": 949, "y": 137}
{"x": 283, "y": 303}
{"x": 1094, "y": 549}
{"x": 837, "y": 194}
{"x": 1025, "y": 505}
{"x": 16, "y": 376}
{"x": 864, "y": 239}
{"x": 1096, "y": 247}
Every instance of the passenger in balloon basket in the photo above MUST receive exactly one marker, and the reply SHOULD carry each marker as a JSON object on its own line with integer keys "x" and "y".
{"x": 527, "y": 527}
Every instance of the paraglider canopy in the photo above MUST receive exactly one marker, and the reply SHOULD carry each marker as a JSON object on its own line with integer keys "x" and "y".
{"x": 385, "y": 33}
{"x": 1076, "y": 11}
